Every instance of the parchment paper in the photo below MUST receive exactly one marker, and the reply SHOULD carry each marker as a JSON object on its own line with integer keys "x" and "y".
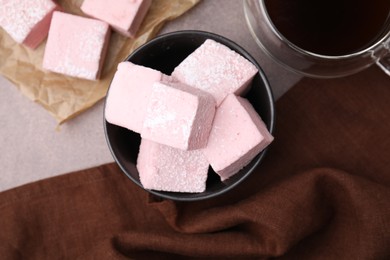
{"x": 65, "y": 97}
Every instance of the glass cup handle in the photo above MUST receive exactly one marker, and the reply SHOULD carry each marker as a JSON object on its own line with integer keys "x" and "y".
{"x": 384, "y": 61}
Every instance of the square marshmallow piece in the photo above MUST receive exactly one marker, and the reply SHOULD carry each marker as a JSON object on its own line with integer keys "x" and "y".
{"x": 237, "y": 136}
{"x": 216, "y": 69}
{"x": 165, "y": 168}
{"x": 129, "y": 94}
{"x": 25, "y": 21}
{"x": 76, "y": 46}
{"x": 179, "y": 116}
{"x": 125, "y": 16}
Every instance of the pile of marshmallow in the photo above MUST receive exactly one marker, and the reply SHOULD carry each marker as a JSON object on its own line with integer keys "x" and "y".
{"x": 76, "y": 45}
{"x": 189, "y": 120}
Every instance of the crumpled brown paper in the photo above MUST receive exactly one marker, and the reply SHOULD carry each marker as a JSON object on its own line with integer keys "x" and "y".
{"x": 65, "y": 97}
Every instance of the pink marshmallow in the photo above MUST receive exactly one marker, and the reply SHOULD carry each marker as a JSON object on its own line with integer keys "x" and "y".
{"x": 216, "y": 69}
{"x": 125, "y": 16}
{"x": 27, "y": 22}
{"x": 129, "y": 94}
{"x": 237, "y": 136}
{"x": 76, "y": 46}
{"x": 165, "y": 168}
{"x": 179, "y": 116}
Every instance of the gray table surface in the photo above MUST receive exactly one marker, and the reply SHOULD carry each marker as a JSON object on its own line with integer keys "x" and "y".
{"x": 32, "y": 149}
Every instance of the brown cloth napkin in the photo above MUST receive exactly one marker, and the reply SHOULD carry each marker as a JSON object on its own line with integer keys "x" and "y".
{"x": 322, "y": 192}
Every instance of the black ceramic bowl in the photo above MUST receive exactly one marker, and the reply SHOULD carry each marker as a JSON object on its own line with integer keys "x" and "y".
{"x": 164, "y": 53}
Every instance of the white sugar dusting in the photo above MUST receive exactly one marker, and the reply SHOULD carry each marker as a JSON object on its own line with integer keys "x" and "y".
{"x": 19, "y": 17}
{"x": 179, "y": 116}
{"x": 165, "y": 168}
{"x": 162, "y": 120}
{"x": 66, "y": 66}
{"x": 158, "y": 113}
{"x": 216, "y": 69}
{"x": 92, "y": 42}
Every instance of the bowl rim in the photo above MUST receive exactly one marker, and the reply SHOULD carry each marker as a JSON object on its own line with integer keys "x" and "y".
{"x": 240, "y": 50}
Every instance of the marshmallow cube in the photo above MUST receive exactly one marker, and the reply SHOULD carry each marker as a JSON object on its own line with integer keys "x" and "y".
{"x": 27, "y": 22}
{"x": 165, "y": 168}
{"x": 216, "y": 69}
{"x": 129, "y": 93}
{"x": 76, "y": 46}
{"x": 237, "y": 136}
{"x": 125, "y": 16}
{"x": 179, "y": 116}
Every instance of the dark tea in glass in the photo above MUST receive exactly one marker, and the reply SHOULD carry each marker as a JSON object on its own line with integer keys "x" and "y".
{"x": 330, "y": 27}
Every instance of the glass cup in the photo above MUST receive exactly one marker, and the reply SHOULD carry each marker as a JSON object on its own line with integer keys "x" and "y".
{"x": 311, "y": 64}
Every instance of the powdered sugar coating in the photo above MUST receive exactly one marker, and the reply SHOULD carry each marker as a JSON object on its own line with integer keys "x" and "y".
{"x": 165, "y": 168}
{"x": 76, "y": 46}
{"x": 216, "y": 69}
{"x": 237, "y": 136}
{"x": 125, "y": 16}
{"x": 19, "y": 17}
{"x": 179, "y": 116}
